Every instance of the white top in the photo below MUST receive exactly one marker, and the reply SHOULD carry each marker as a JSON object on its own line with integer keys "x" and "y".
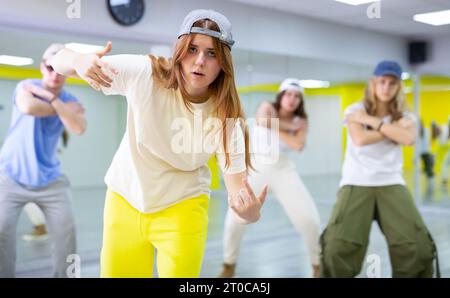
{"x": 444, "y": 136}
{"x": 161, "y": 159}
{"x": 377, "y": 164}
{"x": 266, "y": 145}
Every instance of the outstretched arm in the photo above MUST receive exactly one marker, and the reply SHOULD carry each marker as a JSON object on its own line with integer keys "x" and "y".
{"x": 88, "y": 67}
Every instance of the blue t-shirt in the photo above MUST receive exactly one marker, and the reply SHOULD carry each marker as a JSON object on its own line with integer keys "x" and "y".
{"x": 28, "y": 154}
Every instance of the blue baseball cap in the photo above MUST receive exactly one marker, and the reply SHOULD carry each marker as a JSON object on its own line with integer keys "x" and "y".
{"x": 385, "y": 68}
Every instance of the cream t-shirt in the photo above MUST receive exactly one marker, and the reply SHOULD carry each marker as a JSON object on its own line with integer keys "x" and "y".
{"x": 162, "y": 158}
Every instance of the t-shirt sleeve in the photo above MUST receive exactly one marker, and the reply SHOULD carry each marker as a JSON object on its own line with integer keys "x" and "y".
{"x": 131, "y": 68}
{"x": 410, "y": 116}
{"x": 70, "y": 98}
{"x": 18, "y": 87}
{"x": 352, "y": 108}
{"x": 236, "y": 150}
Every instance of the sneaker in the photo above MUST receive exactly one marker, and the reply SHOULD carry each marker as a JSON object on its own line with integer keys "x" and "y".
{"x": 228, "y": 271}
{"x": 39, "y": 233}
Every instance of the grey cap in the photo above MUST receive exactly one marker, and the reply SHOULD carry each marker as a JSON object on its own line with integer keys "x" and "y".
{"x": 199, "y": 14}
{"x": 52, "y": 50}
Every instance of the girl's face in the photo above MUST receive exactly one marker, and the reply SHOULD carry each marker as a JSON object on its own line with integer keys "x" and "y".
{"x": 200, "y": 66}
{"x": 290, "y": 100}
{"x": 386, "y": 87}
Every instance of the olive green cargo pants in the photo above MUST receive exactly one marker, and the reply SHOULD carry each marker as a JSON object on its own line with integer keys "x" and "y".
{"x": 344, "y": 241}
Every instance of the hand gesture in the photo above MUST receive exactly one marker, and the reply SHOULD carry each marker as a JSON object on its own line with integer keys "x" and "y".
{"x": 246, "y": 204}
{"x": 92, "y": 69}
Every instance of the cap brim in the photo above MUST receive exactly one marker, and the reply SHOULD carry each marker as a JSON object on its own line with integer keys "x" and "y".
{"x": 389, "y": 73}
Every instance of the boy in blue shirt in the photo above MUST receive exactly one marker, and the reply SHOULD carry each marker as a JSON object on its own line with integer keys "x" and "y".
{"x": 29, "y": 168}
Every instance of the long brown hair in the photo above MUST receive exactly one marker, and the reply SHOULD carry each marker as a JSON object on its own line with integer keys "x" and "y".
{"x": 300, "y": 111}
{"x": 397, "y": 106}
{"x": 167, "y": 72}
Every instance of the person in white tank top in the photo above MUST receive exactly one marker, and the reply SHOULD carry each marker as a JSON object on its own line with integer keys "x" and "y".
{"x": 272, "y": 141}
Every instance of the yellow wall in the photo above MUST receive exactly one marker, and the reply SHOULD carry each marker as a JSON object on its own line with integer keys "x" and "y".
{"x": 21, "y": 73}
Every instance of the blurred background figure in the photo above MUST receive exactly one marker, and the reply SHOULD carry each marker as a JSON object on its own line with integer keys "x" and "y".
{"x": 29, "y": 168}
{"x": 445, "y": 142}
{"x": 424, "y": 141}
{"x": 274, "y": 166}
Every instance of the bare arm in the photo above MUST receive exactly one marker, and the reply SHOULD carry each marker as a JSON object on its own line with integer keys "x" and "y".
{"x": 241, "y": 198}
{"x": 71, "y": 113}
{"x": 295, "y": 142}
{"x": 88, "y": 67}
{"x": 266, "y": 112}
{"x": 63, "y": 63}
{"x": 361, "y": 136}
{"x": 72, "y": 117}
{"x": 28, "y": 104}
{"x": 402, "y": 131}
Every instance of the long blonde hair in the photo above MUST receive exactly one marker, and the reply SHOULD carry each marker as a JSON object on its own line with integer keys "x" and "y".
{"x": 227, "y": 104}
{"x": 397, "y": 106}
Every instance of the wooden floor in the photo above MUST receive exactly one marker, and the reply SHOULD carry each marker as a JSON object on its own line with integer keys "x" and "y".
{"x": 271, "y": 248}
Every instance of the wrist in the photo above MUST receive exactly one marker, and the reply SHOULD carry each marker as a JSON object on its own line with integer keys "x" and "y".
{"x": 52, "y": 100}
{"x": 73, "y": 57}
{"x": 378, "y": 128}
{"x": 374, "y": 122}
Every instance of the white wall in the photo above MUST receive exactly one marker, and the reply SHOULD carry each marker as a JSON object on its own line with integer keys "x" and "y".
{"x": 323, "y": 152}
{"x": 6, "y": 90}
{"x": 438, "y": 57}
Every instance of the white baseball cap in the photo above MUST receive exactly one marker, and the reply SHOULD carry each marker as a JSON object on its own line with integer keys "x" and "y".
{"x": 199, "y": 14}
{"x": 291, "y": 84}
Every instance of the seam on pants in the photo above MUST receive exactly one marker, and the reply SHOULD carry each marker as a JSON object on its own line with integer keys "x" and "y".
{"x": 141, "y": 231}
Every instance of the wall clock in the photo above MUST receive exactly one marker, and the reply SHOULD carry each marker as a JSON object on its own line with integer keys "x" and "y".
{"x": 126, "y": 12}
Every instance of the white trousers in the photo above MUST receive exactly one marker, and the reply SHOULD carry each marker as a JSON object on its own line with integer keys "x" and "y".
{"x": 285, "y": 183}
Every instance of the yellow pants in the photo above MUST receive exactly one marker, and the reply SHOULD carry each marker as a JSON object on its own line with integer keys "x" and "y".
{"x": 130, "y": 238}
